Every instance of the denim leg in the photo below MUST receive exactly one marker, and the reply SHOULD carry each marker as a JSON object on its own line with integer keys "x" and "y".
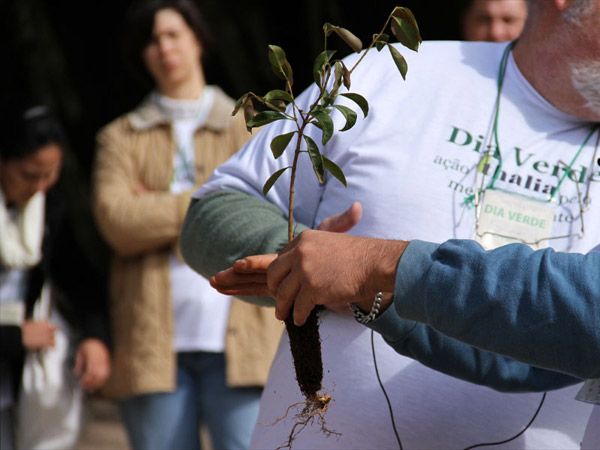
{"x": 230, "y": 413}
{"x": 7, "y": 441}
{"x": 163, "y": 421}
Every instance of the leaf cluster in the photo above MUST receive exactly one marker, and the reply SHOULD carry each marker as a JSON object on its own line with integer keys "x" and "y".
{"x": 330, "y": 75}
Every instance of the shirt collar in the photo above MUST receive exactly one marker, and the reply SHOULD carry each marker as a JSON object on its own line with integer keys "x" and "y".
{"x": 148, "y": 114}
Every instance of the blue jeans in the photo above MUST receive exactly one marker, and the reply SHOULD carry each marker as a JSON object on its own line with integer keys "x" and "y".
{"x": 7, "y": 430}
{"x": 166, "y": 421}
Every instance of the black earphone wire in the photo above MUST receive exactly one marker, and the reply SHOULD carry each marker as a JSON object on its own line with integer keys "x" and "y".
{"x": 384, "y": 392}
{"x": 483, "y": 444}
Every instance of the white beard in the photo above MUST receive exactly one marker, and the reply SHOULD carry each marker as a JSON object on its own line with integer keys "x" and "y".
{"x": 586, "y": 80}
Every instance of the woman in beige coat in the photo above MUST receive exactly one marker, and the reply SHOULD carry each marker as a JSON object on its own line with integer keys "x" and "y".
{"x": 183, "y": 354}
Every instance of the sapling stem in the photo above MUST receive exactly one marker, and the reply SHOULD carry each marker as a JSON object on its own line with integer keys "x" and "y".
{"x": 297, "y": 152}
{"x": 305, "y": 342}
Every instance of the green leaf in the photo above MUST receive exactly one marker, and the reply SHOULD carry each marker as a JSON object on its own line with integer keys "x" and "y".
{"x": 315, "y": 157}
{"x": 280, "y": 143}
{"x": 276, "y": 105}
{"x": 350, "y": 39}
{"x": 399, "y": 61}
{"x": 407, "y": 15}
{"x": 278, "y": 94}
{"x": 325, "y": 123}
{"x": 265, "y": 117}
{"x": 277, "y": 59}
{"x": 239, "y": 103}
{"x": 321, "y": 63}
{"x": 359, "y": 100}
{"x": 405, "y": 28}
{"x": 334, "y": 169}
{"x": 381, "y": 40}
{"x": 245, "y": 102}
{"x": 279, "y": 63}
{"x": 338, "y": 70}
{"x": 327, "y": 99}
{"x": 349, "y": 114}
{"x": 404, "y": 34}
{"x": 272, "y": 179}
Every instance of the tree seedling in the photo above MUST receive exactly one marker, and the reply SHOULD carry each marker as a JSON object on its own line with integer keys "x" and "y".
{"x": 333, "y": 79}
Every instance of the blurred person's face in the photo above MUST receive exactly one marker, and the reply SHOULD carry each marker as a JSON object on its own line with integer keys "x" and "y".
{"x": 494, "y": 20}
{"x": 173, "y": 55}
{"x": 22, "y": 178}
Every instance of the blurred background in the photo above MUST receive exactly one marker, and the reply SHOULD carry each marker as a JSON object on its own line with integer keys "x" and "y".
{"x": 68, "y": 54}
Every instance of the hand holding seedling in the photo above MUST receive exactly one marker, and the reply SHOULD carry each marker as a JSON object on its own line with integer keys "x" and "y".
{"x": 333, "y": 79}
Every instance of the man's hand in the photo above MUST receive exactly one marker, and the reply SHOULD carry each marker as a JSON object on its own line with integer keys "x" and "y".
{"x": 37, "y": 334}
{"x": 331, "y": 269}
{"x": 342, "y": 222}
{"x": 248, "y": 276}
{"x": 92, "y": 364}
{"x": 317, "y": 268}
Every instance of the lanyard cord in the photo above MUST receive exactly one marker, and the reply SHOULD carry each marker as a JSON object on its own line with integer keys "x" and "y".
{"x": 494, "y": 125}
{"x": 568, "y": 171}
{"x": 500, "y": 83}
{"x": 498, "y": 153}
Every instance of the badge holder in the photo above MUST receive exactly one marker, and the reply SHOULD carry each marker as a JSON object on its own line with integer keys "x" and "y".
{"x": 505, "y": 217}
{"x": 590, "y": 392}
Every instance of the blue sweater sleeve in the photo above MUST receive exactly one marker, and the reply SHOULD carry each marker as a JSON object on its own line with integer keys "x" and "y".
{"x": 539, "y": 307}
{"x": 452, "y": 357}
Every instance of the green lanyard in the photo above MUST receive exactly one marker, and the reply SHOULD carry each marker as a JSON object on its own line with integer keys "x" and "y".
{"x": 568, "y": 171}
{"x": 500, "y": 83}
{"x": 498, "y": 153}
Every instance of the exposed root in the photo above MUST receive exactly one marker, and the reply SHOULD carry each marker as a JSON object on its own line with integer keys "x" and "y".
{"x": 305, "y": 346}
{"x": 312, "y": 409}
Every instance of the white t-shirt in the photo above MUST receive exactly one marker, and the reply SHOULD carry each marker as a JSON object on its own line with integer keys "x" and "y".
{"x": 200, "y": 312}
{"x": 591, "y": 440}
{"x": 411, "y": 163}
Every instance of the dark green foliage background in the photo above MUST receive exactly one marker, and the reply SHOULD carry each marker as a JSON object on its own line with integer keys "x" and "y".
{"x": 67, "y": 53}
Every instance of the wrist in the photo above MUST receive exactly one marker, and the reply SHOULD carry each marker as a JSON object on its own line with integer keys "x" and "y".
{"x": 364, "y": 318}
{"x": 384, "y": 256}
{"x": 376, "y": 304}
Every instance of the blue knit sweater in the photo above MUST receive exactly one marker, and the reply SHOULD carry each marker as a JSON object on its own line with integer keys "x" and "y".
{"x": 455, "y": 300}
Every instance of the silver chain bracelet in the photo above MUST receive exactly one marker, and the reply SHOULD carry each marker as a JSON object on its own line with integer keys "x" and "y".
{"x": 362, "y": 318}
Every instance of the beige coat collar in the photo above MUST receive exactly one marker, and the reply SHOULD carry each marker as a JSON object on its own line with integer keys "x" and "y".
{"x": 148, "y": 114}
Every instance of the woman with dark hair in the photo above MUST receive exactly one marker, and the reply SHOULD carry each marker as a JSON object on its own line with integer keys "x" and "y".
{"x": 37, "y": 249}
{"x": 183, "y": 354}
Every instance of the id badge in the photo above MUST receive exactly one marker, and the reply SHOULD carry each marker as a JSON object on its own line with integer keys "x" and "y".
{"x": 590, "y": 392}
{"x": 505, "y": 218}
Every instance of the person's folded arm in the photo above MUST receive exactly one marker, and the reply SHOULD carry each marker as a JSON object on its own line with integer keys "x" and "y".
{"x": 132, "y": 218}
